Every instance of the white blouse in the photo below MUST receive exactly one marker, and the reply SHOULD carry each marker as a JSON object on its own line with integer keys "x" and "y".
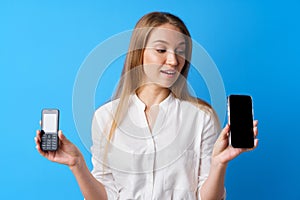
{"x": 170, "y": 162}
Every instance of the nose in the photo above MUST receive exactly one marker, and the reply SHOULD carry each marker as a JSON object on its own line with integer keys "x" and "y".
{"x": 171, "y": 58}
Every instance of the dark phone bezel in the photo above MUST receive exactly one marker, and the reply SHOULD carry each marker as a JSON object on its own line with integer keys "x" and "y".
{"x": 236, "y": 141}
{"x": 50, "y": 111}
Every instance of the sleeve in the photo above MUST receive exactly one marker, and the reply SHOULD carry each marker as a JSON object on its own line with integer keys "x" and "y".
{"x": 101, "y": 170}
{"x": 211, "y": 130}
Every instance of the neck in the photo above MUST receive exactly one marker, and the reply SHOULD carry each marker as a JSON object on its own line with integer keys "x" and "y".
{"x": 152, "y": 95}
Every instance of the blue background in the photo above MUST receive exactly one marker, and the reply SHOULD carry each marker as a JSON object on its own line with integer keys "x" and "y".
{"x": 255, "y": 45}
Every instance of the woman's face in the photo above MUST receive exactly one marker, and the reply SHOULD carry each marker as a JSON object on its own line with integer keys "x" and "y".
{"x": 164, "y": 56}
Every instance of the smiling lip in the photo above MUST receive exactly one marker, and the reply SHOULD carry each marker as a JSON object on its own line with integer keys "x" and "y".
{"x": 169, "y": 73}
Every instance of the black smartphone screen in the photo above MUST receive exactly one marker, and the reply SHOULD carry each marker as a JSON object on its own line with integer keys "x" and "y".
{"x": 241, "y": 121}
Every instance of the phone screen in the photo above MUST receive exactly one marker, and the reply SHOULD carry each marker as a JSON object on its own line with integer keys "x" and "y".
{"x": 50, "y": 123}
{"x": 50, "y": 120}
{"x": 241, "y": 121}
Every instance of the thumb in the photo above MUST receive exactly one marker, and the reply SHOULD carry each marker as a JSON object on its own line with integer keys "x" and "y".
{"x": 224, "y": 132}
{"x": 222, "y": 141}
{"x": 62, "y": 137}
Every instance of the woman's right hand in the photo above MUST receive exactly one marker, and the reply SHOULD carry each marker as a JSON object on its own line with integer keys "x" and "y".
{"x": 67, "y": 153}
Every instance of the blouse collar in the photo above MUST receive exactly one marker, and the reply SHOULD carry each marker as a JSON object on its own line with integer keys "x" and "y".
{"x": 163, "y": 104}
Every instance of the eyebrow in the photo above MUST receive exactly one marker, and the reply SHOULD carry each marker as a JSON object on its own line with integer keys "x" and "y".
{"x": 165, "y": 42}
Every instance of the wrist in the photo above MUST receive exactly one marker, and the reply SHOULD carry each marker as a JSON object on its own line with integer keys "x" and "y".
{"x": 78, "y": 164}
{"x": 218, "y": 164}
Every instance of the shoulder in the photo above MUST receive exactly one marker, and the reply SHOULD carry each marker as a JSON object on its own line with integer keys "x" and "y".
{"x": 202, "y": 108}
{"x": 198, "y": 105}
{"x": 107, "y": 109}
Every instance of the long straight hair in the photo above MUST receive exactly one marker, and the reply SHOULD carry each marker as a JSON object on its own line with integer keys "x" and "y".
{"x": 132, "y": 73}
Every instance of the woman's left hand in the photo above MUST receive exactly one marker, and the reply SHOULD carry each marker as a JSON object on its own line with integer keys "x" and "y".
{"x": 223, "y": 152}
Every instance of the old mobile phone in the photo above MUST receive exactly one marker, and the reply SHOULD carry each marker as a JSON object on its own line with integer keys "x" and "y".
{"x": 240, "y": 118}
{"x": 49, "y": 126}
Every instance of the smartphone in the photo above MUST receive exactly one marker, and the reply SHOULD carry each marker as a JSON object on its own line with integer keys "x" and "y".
{"x": 50, "y": 127}
{"x": 240, "y": 119}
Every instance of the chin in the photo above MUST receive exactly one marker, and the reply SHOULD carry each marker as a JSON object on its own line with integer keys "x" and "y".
{"x": 167, "y": 84}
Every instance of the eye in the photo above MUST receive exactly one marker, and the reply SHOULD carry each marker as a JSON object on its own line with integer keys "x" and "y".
{"x": 161, "y": 50}
{"x": 180, "y": 52}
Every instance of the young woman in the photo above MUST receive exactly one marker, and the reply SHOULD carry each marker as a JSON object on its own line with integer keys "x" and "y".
{"x": 154, "y": 140}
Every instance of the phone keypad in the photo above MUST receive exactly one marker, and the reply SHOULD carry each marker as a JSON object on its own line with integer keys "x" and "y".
{"x": 49, "y": 142}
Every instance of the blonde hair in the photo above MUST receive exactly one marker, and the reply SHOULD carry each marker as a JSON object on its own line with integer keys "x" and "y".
{"x": 132, "y": 73}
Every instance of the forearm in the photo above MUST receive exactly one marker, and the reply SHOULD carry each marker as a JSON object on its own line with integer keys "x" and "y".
{"x": 89, "y": 186}
{"x": 213, "y": 187}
